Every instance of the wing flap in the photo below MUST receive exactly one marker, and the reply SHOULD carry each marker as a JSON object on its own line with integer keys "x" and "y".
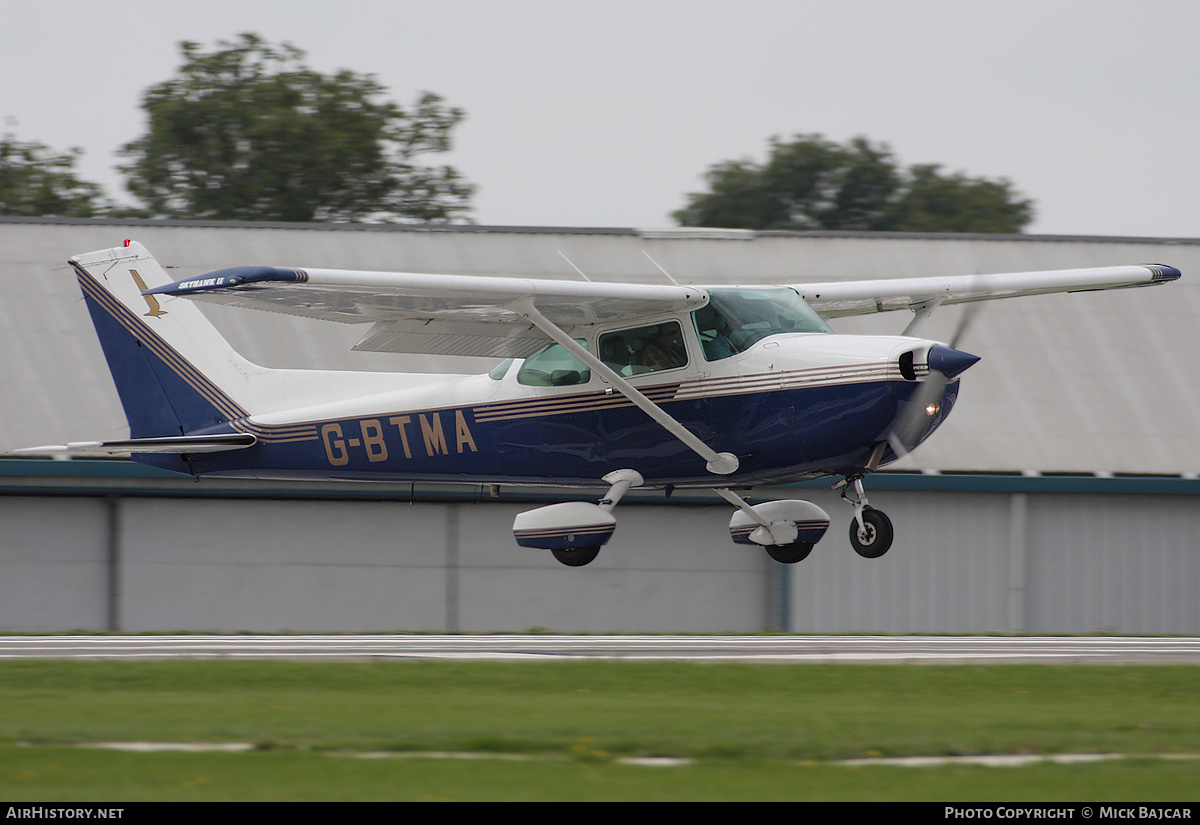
{"x": 839, "y": 298}
{"x": 501, "y": 340}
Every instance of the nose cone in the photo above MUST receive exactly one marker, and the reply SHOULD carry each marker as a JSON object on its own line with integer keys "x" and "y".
{"x": 950, "y": 362}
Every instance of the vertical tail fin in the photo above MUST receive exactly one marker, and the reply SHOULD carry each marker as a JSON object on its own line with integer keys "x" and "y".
{"x": 174, "y": 372}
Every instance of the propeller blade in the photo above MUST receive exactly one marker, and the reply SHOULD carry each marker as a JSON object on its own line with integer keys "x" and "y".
{"x": 969, "y": 313}
{"x": 920, "y": 407}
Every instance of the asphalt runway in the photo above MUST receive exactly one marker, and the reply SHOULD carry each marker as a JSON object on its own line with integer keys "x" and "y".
{"x": 763, "y": 649}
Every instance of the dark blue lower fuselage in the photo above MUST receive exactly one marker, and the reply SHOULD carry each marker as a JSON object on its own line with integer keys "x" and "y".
{"x": 778, "y": 436}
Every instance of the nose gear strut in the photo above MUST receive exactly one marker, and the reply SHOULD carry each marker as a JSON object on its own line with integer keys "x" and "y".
{"x": 870, "y": 530}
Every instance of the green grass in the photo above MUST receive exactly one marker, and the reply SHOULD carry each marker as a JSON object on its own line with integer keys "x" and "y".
{"x": 752, "y": 731}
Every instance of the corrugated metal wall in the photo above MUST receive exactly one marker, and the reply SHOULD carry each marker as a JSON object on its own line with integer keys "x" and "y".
{"x": 1010, "y": 563}
{"x": 229, "y": 565}
{"x": 963, "y": 562}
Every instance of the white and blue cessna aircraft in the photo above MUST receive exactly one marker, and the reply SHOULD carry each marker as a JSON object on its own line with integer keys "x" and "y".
{"x": 721, "y": 387}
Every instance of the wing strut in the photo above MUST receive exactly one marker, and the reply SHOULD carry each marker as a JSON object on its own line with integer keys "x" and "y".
{"x": 718, "y": 463}
{"x": 923, "y": 310}
{"x": 740, "y": 503}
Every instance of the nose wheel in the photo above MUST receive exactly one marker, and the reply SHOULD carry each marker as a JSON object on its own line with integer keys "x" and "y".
{"x": 873, "y": 537}
{"x": 870, "y": 530}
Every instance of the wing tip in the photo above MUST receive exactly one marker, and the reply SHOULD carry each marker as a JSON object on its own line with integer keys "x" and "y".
{"x": 1163, "y": 272}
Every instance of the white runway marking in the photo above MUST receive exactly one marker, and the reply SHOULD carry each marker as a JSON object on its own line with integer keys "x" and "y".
{"x": 178, "y": 747}
{"x": 982, "y": 760}
{"x": 761, "y": 649}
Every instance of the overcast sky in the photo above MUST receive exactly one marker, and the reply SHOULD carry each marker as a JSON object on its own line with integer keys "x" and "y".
{"x": 607, "y": 112}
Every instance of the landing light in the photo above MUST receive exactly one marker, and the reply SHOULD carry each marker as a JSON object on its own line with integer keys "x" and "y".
{"x": 932, "y": 409}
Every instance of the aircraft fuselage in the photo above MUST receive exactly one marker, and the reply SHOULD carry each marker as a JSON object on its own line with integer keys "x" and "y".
{"x": 791, "y": 407}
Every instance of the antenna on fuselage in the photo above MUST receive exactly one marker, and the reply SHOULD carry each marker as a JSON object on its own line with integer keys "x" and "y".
{"x": 577, "y": 269}
{"x": 660, "y": 269}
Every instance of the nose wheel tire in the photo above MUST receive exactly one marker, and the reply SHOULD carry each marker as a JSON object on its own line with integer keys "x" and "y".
{"x": 790, "y": 553}
{"x": 874, "y": 538}
{"x": 576, "y": 556}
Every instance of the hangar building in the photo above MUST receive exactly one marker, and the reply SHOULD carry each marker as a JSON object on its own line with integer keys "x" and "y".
{"x": 1060, "y": 497}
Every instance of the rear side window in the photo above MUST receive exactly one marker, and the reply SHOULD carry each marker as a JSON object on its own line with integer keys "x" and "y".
{"x": 644, "y": 349}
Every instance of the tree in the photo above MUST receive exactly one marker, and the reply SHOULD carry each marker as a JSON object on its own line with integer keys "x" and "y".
{"x": 37, "y": 181}
{"x": 813, "y": 183}
{"x": 934, "y": 202}
{"x": 248, "y": 132}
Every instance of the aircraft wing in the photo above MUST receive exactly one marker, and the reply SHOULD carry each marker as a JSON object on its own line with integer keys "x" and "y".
{"x": 476, "y": 316}
{"x": 838, "y": 298}
{"x": 435, "y": 314}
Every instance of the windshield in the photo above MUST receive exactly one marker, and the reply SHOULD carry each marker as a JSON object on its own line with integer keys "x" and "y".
{"x": 737, "y": 318}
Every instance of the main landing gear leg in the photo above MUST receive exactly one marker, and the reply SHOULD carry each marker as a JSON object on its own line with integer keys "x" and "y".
{"x": 620, "y": 481}
{"x": 871, "y": 530}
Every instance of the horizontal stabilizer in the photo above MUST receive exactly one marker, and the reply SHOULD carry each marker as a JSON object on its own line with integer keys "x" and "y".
{"x": 168, "y": 445}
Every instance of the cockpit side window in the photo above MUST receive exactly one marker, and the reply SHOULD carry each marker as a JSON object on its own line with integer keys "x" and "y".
{"x": 712, "y": 328}
{"x": 644, "y": 349}
{"x": 500, "y": 370}
{"x": 554, "y": 367}
{"x": 737, "y": 318}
